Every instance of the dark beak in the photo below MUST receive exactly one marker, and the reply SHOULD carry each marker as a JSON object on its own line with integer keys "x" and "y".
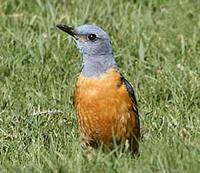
{"x": 67, "y": 29}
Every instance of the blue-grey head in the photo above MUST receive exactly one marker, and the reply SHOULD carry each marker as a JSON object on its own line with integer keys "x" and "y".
{"x": 95, "y": 47}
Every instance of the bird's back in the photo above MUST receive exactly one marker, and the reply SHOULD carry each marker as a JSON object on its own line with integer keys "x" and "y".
{"x": 105, "y": 110}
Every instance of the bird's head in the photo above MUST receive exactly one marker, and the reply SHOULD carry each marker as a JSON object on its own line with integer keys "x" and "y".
{"x": 95, "y": 47}
{"x": 90, "y": 39}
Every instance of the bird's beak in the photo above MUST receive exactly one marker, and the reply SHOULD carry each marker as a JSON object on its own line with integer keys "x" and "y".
{"x": 69, "y": 30}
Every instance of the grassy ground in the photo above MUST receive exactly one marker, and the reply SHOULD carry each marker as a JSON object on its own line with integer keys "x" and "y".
{"x": 157, "y": 47}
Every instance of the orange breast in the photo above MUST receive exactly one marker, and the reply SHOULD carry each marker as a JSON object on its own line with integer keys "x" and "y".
{"x": 104, "y": 109}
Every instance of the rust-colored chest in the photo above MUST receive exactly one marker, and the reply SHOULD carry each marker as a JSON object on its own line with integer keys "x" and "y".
{"x": 104, "y": 109}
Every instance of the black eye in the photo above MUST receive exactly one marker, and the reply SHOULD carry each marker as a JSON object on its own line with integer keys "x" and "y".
{"x": 92, "y": 37}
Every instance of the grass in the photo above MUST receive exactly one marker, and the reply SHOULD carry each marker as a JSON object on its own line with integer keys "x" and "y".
{"x": 157, "y": 47}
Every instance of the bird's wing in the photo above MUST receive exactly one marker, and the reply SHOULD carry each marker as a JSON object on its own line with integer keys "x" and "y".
{"x": 131, "y": 93}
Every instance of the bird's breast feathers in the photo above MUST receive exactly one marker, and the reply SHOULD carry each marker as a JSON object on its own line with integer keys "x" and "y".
{"x": 104, "y": 108}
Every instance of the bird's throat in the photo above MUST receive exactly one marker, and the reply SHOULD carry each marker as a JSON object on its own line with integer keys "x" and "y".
{"x": 98, "y": 65}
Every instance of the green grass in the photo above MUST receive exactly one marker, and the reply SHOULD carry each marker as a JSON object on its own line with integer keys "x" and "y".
{"x": 157, "y": 47}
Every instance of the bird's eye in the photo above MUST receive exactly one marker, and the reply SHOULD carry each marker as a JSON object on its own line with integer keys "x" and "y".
{"x": 92, "y": 37}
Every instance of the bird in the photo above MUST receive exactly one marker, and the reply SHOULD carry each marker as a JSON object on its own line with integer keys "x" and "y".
{"x": 104, "y": 101}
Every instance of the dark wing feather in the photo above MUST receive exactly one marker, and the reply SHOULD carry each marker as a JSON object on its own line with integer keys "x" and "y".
{"x": 131, "y": 93}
